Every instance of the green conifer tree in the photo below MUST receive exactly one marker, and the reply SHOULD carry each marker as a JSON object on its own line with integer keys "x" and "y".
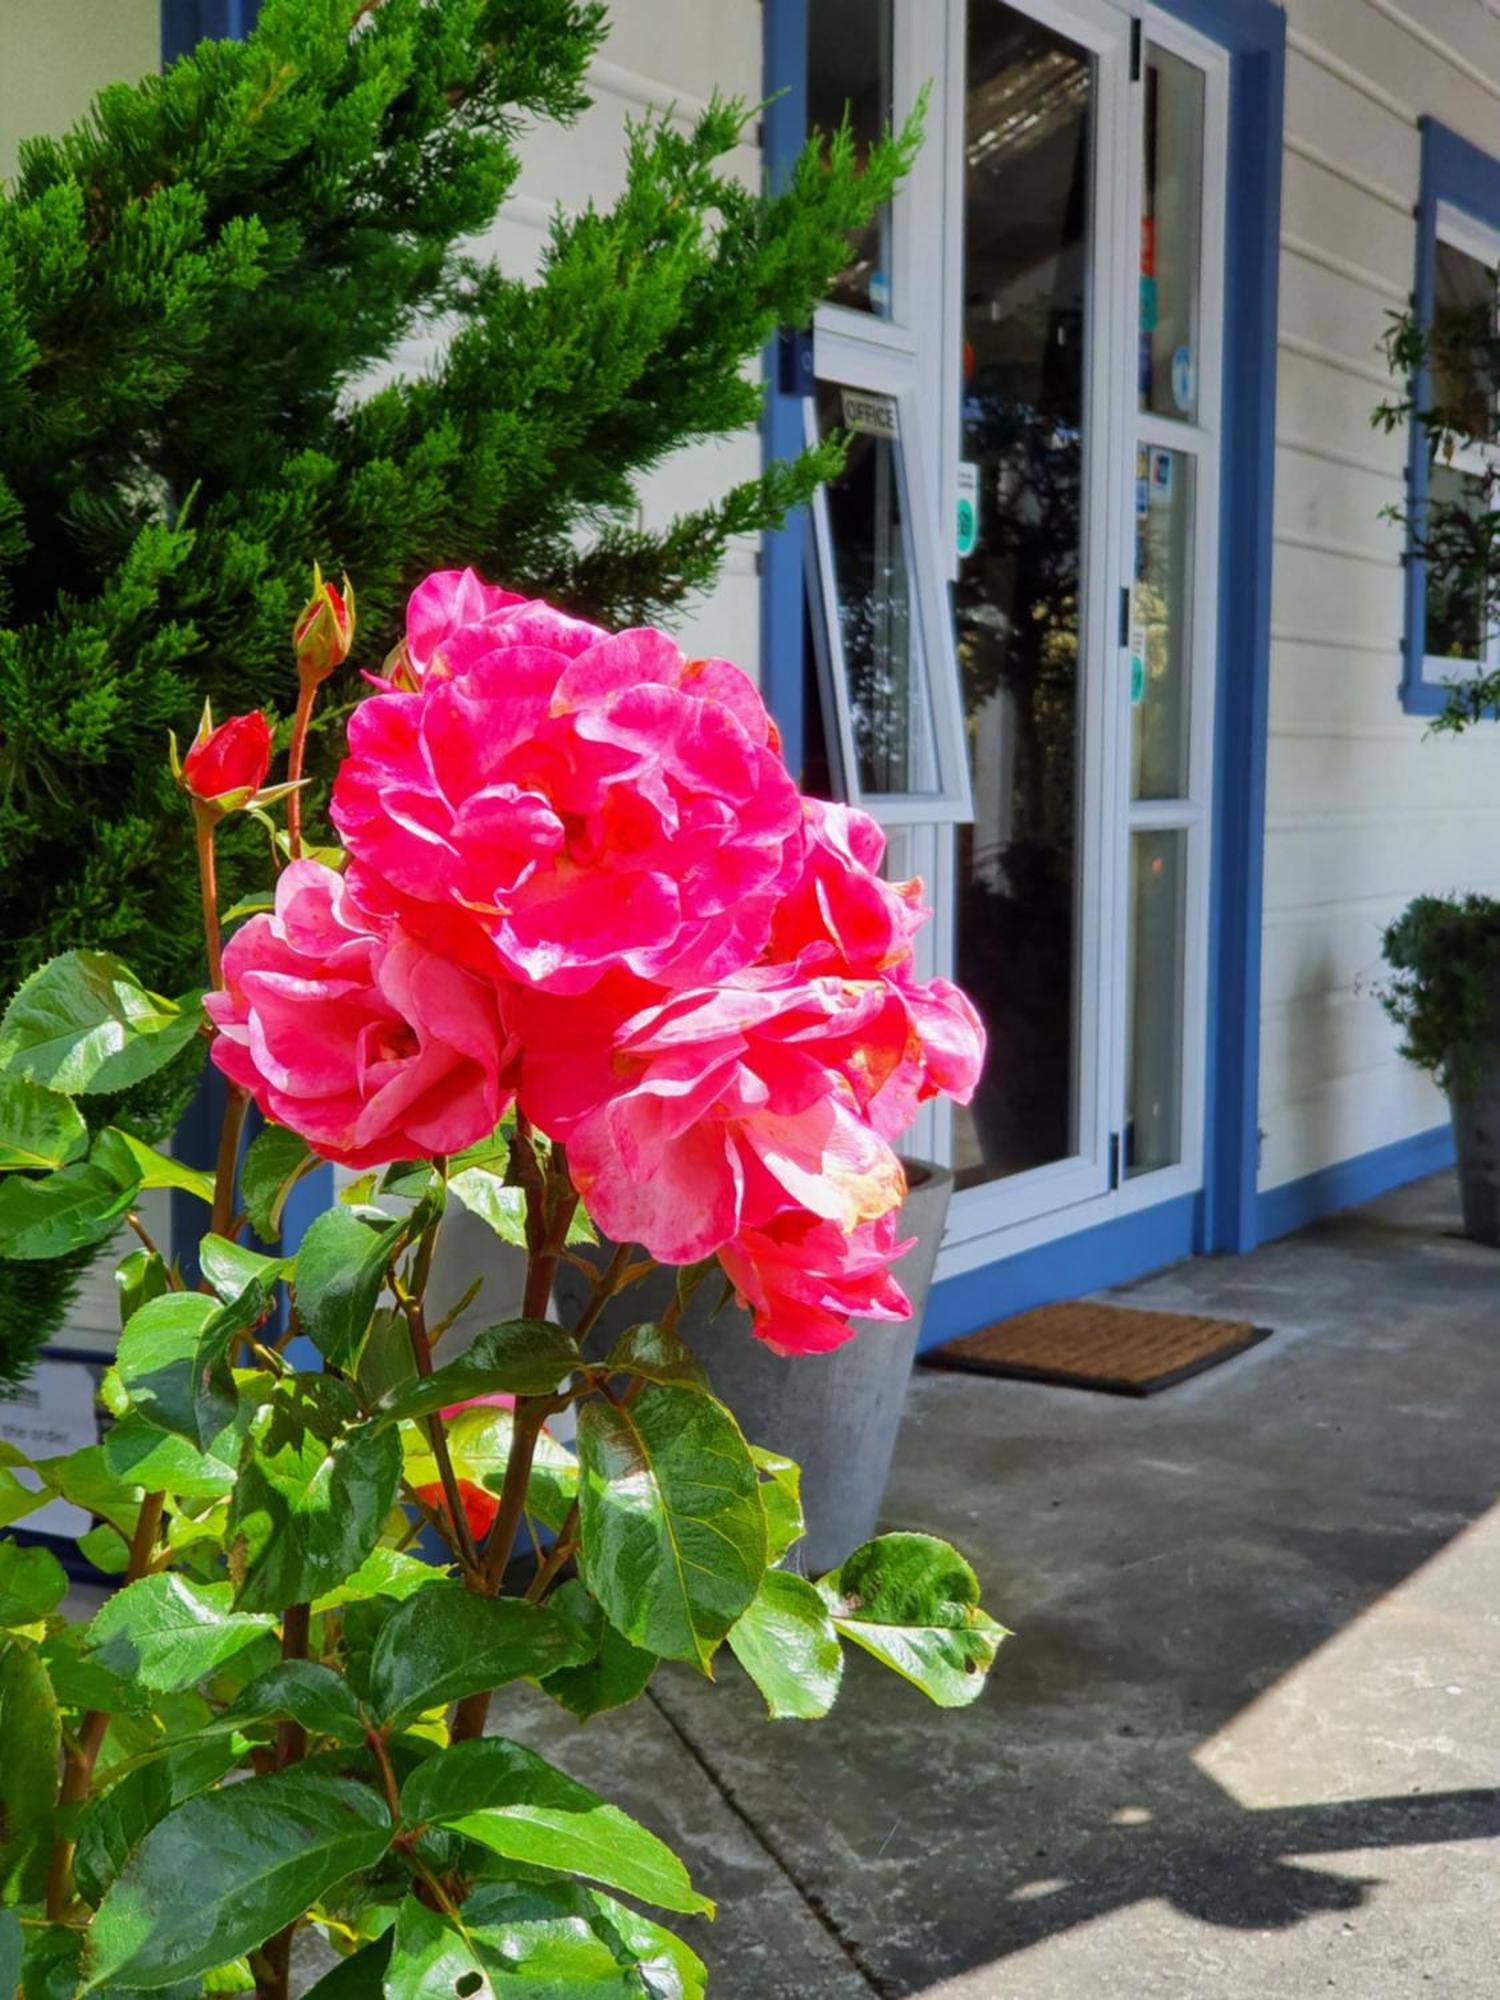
{"x": 194, "y": 284}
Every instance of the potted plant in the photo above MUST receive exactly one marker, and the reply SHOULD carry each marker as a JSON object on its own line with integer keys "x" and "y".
{"x": 1444, "y": 995}
{"x": 582, "y": 950}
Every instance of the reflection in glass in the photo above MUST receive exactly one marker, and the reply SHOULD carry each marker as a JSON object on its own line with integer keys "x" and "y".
{"x": 1171, "y": 206}
{"x": 1027, "y": 229}
{"x": 1153, "y": 1108}
{"x": 1160, "y": 635}
{"x": 1457, "y": 614}
{"x": 868, "y": 518}
{"x": 849, "y": 70}
{"x": 1463, "y": 325}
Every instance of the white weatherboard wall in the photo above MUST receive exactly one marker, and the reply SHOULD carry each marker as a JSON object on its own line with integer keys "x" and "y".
{"x": 662, "y": 56}
{"x": 1364, "y": 809}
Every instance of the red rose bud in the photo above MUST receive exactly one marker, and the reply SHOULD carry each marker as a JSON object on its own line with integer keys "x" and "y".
{"x": 324, "y": 631}
{"x": 226, "y": 766}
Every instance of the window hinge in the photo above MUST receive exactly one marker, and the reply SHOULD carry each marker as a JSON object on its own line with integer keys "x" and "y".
{"x": 1124, "y": 616}
{"x": 1135, "y": 49}
{"x": 1116, "y": 1160}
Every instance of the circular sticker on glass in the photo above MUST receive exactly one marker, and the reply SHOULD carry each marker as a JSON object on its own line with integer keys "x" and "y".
{"x": 1184, "y": 378}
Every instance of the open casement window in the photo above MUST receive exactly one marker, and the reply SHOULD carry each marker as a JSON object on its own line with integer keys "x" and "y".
{"x": 1461, "y": 634}
{"x": 882, "y": 633}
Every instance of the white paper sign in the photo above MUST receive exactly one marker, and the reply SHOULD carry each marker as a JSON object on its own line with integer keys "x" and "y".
{"x": 51, "y": 1415}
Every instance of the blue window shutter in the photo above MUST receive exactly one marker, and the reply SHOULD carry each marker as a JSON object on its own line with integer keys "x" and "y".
{"x": 186, "y": 22}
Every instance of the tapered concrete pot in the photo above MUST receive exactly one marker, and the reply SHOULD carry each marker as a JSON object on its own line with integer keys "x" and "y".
{"x": 836, "y": 1414}
{"x": 1475, "y": 1110}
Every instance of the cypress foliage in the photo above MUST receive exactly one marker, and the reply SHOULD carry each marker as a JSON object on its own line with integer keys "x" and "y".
{"x": 194, "y": 284}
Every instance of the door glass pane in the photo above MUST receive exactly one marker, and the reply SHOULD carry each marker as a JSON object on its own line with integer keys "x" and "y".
{"x": 1160, "y": 639}
{"x": 1171, "y": 208}
{"x": 849, "y": 71}
{"x": 1153, "y": 1028}
{"x": 884, "y": 673}
{"x": 1456, "y": 612}
{"x": 1029, "y": 115}
{"x": 1463, "y": 321}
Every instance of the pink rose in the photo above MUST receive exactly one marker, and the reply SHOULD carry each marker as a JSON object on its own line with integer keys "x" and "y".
{"x": 590, "y": 804}
{"x": 364, "y": 1040}
{"x": 803, "y": 1279}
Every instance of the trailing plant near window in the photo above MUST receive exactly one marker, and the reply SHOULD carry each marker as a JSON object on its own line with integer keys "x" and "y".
{"x": 583, "y": 955}
{"x": 1444, "y": 989}
{"x": 199, "y": 287}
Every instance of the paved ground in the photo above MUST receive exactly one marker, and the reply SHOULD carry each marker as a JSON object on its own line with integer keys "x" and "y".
{"x": 1246, "y": 1740}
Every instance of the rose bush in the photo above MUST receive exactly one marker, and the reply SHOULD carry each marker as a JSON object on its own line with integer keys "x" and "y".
{"x": 586, "y": 957}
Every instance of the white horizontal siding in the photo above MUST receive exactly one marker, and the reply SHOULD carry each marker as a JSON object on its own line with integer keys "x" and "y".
{"x": 1364, "y": 808}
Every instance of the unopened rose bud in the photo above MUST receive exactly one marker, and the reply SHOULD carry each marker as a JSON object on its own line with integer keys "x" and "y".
{"x": 324, "y": 631}
{"x": 226, "y": 767}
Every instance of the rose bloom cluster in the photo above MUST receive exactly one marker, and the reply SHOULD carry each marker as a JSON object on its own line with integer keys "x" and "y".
{"x": 580, "y": 881}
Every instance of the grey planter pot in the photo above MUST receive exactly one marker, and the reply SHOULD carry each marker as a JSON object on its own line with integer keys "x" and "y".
{"x": 1476, "y": 1138}
{"x": 836, "y": 1414}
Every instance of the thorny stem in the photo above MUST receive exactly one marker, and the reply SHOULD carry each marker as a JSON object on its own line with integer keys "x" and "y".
{"x": 205, "y": 818}
{"x": 414, "y": 1313}
{"x": 78, "y": 1771}
{"x": 376, "y": 1741}
{"x": 235, "y": 1106}
{"x": 307, "y": 694}
{"x": 605, "y": 1287}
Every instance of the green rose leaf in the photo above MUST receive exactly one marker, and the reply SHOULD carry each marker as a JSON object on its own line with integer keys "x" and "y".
{"x": 169, "y": 1632}
{"x": 387, "y": 1367}
{"x": 534, "y": 1939}
{"x": 524, "y": 1357}
{"x": 615, "y": 1672}
{"x": 158, "y": 1170}
{"x": 156, "y": 1356}
{"x": 479, "y": 1442}
{"x": 656, "y": 1353}
{"x": 361, "y": 1976}
{"x": 116, "y": 1822}
{"x": 520, "y": 1806}
{"x": 302, "y": 1690}
{"x": 159, "y": 1461}
{"x": 383, "y": 1573}
{"x": 225, "y": 1871}
{"x": 274, "y": 1162}
{"x": 484, "y": 1193}
{"x": 216, "y": 1399}
{"x": 140, "y": 1276}
{"x": 32, "y": 1583}
{"x": 84, "y": 1022}
{"x": 913, "y": 1602}
{"x": 781, "y": 1496}
{"x": 31, "y": 1732}
{"x": 668, "y": 1968}
{"x": 312, "y": 1494}
{"x": 340, "y": 1270}
{"x": 232, "y": 1267}
{"x": 673, "y": 1531}
{"x": 40, "y": 1129}
{"x": 787, "y": 1645}
{"x": 84, "y": 1478}
{"x": 10, "y": 1954}
{"x": 68, "y": 1210}
{"x": 16, "y": 1500}
{"x": 444, "y": 1642}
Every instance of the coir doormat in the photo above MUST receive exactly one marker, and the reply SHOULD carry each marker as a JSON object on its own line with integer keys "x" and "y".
{"x": 1123, "y": 1350}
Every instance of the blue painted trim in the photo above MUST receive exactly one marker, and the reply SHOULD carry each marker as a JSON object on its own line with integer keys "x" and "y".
{"x": 1455, "y": 172}
{"x": 184, "y": 23}
{"x": 1111, "y": 1253}
{"x": 1254, "y": 33}
{"x": 1348, "y": 1182}
{"x": 783, "y": 131}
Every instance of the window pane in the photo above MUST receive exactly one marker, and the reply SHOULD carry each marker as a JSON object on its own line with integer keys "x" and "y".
{"x": 1028, "y": 229}
{"x": 1463, "y": 322}
{"x": 1171, "y": 205}
{"x": 885, "y": 677}
{"x": 849, "y": 69}
{"x": 1455, "y": 588}
{"x": 1160, "y": 637}
{"x": 1153, "y": 1107}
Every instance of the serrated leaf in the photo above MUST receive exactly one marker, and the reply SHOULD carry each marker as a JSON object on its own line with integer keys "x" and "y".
{"x": 312, "y": 1495}
{"x": 913, "y": 1602}
{"x": 40, "y": 1129}
{"x": 383, "y": 1573}
{"x": 83, "y": 1022}
{"x": 479, "y": 1442}
{"x": 169, "y": 1632}
{"x": 275, "y": 1160}
{"x": 657, "y": 1355}
{"x": 230, "y": 1268}
{"x": 313, "y": 1695}
{"x": 159, "y": 1461}
{"x": 445, "y": 1642}
{"x": 216, "y": 1398}
{"x": 524, "y": 1357}
{"x": 158, "y": 1170}
{"x": 673, "y": 1534}
{"x": 80, "y": 1682}
{"x": 518, "y": 1805}
{"x": 32, "y": 1584}
{"x": 787, "y": 1644}
{"x": 16, "y": 1500}
{"x": 79, "y": 1205}
{"x": 387, "y": 1367}
{"x": 484, "y": 1193}
{"x": 615, "y": 1672}
{"x": 340, "y": 1271}
{"x": 115, "y": 1822}
{"x": 360, "y": 1976}
{"x": 536, "y": 1940}
{"x": 84, "y": 1478}
{"x": 31, "y": 1732}
{"x": 254, "y": 1856}
{"x": 50, "y": 1969}
{"x": 156, "y": 1355}
{"x": 781, "y": 1497}
{"x": 140, "y": 1276}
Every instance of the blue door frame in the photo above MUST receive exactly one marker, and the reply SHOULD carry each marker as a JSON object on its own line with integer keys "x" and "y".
{"x": 1227, "y": 1215}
